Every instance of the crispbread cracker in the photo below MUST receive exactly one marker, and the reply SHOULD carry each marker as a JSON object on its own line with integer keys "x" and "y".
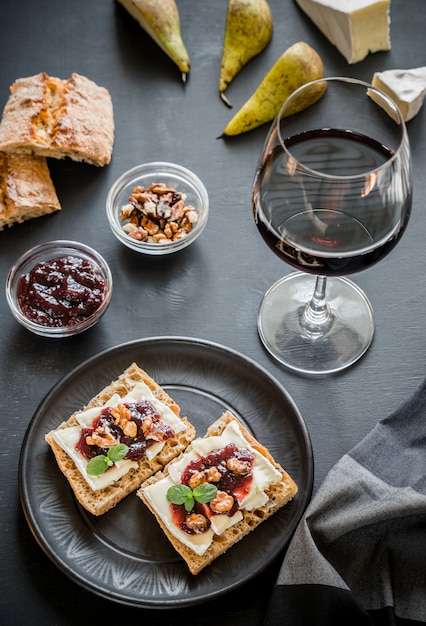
{"x": 100, "y": 501}
{"x": 59, "y": 118}
{"x": 26, "y": 189}
{"x": 279, "y": 495}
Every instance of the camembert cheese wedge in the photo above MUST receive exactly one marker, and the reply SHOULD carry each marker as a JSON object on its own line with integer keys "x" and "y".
{"x": 355, "y": 27}
{"x": 406, "y": 87}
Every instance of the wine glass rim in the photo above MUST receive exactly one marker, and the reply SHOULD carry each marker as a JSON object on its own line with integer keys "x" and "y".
{"x": 328, "y": 79}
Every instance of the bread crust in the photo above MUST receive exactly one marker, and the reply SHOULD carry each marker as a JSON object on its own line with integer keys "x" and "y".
{"x": 26, "y": 189}
{"x": 57, "y": 118}
{"x": 100, "y": 501}
{"x": 279, "y": 495}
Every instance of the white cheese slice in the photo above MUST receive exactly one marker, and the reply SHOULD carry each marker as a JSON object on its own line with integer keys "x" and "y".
{"x": 68, "y": 440}
{"x": 406, "y": 87}
{"x": 355, "y": 27}
{"x": 176, "y": 468}
{"x": 264, "y": 475}
{"x": 85, "y": 418}
{"x": 156, "y": 495}
{"x": 231, "y": 434}
{"x": 220, "y": 523}
{"x": 154, "y": 449}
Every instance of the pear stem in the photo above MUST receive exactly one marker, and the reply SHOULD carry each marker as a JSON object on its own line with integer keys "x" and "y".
{"x": 225, "y": 100}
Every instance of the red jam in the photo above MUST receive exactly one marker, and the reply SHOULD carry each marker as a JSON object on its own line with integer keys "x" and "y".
{"x": 236, "y": 485}
{"x": 142, "y": 413}
{"x": 61, "y": 292}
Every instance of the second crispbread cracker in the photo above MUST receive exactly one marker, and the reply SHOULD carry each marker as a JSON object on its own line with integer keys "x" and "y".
{"x": 101, "y": 500}
{"x": 277, "y": 494}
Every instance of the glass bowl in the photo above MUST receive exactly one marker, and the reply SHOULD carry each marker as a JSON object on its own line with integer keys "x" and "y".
{"x": 174, "y": 176}
{"x": 90, "y": 288}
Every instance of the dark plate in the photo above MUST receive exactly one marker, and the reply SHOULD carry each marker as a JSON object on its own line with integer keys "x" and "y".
{"x": 124, "y": 555}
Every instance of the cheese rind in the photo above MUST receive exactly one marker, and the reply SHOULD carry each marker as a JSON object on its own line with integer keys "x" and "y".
{"x": 406, "y": 87}
{"x": 355, "y": 27}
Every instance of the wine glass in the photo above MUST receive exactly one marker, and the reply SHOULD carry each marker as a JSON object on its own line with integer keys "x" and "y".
{"x": 331, "y": 196}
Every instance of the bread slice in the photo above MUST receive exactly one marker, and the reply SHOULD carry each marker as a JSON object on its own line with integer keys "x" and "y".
{"x": 59, "y": 118}
{"x": 278, "y": 495}
{"x": 26, "y": 189}
{"x": 99, "y": 501}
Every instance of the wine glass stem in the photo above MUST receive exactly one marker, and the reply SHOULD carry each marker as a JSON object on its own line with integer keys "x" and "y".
{"x": 317, "y": 318}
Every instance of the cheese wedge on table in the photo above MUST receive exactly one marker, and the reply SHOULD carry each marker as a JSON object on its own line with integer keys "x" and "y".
{"x": 406, "y": 87}
{"x": 355, "y": 27}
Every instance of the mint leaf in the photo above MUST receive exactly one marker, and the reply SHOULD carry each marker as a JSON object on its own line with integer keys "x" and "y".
{"x": 204, "y": 493}
{"x": 97, "y": 465}
{"x": 179, "y": 494}
{"x": 118, "y": 452}
{"x": 189, "y": 504}
{"x": 182, "y": 494}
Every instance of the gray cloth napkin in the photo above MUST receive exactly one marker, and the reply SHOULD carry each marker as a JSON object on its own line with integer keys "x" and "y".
{"x": 358, "y": 555}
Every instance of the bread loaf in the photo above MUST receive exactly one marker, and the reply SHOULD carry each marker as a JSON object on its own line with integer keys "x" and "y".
{"x": 26, "y": 189}
{"x": 59, "y": 118}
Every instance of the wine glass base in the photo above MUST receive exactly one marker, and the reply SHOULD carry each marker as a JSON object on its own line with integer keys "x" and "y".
{"x": 341, "y": 344}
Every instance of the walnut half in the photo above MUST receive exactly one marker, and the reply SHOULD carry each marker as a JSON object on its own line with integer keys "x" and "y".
{"x": 123, "y": 418}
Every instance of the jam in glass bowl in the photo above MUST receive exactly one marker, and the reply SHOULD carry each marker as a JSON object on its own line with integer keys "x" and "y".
{"x": 59, "y": 288}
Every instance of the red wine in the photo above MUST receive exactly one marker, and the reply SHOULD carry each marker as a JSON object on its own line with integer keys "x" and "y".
{"x": 338, "y": 213}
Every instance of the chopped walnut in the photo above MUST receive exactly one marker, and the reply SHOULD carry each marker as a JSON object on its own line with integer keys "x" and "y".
{"x": 197, "y": 523}
{"x": 197, "y": 478}
{"x": 123, "y": 418}
{"x": 152, "y": 430}
{"x": 160, "y": 189}
{"x": 210, "y": 475}
{"x": 213, "y": 475}
{"x": 102, "y": 438}
{"x": 126, "y": 211}
{"x": 222, "y": 502}
{"x": 157, "y": 214}
{"x": 147, "y": 426}
{"x": 238, "y": 467}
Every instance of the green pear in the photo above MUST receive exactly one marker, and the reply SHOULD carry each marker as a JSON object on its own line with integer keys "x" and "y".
{"x": 300, "y": 64}
{"x": 248, "y": 31}
{"x": 160, "y": 19}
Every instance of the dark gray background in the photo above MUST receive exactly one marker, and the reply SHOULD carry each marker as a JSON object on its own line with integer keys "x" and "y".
{"x": 213, "y": 289}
